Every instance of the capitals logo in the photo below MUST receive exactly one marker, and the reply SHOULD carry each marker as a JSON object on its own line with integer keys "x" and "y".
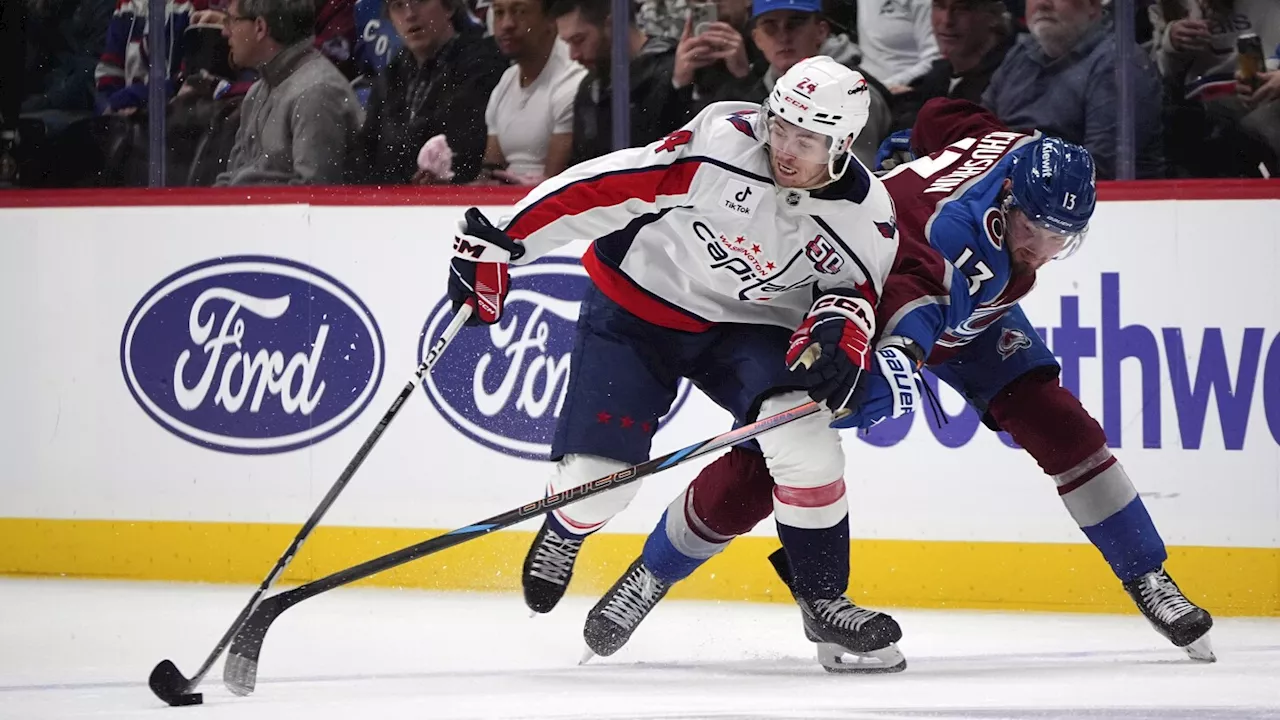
{"x": 742, "y": 121}
{"x": 1011, "y": 341}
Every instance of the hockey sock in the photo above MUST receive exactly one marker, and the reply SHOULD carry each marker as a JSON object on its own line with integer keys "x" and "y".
{"x": 565, "y": 530}
{"x": 819, "y": 559}
{"x": 1129, "y": 541}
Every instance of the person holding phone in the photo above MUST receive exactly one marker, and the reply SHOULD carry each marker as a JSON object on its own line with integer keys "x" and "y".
{"x": 1223, "y": 123}
{"x": 716, "y": 59}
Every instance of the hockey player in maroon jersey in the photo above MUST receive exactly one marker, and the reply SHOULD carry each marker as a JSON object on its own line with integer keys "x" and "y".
{"x": 978, "y": 213}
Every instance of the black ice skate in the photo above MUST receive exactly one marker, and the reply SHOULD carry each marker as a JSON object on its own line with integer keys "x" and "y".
{"x": 1172, "y": 614}
{"x": 850, "y": 639}
{"x": 548, "y": 568}
{"x": 610, "y": 623}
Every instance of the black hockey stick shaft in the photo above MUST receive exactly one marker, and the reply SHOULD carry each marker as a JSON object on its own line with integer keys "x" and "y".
{"x": 166, "y": 681}
{"x": 240, "y": 672}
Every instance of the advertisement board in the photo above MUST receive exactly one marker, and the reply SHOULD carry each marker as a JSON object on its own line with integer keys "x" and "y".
{"x": 207, "y": 370}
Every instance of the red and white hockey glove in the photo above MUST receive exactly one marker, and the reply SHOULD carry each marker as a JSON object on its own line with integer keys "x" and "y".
{"x": 478, "y": 271}
{"x": 841, "y": 323}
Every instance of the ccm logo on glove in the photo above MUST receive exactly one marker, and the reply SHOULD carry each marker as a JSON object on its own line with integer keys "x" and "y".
{"x": 840, "y": 324}
{"x": 481, "y": 283}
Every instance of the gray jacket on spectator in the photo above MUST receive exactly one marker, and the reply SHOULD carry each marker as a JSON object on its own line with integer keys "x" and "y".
{"x": 298, "y": 124}
{"x": 1074, "y": 97}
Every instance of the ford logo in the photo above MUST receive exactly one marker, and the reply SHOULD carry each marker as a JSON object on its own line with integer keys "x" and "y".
{"x": 504, "y": 385}
{"x": 251, "y": 354}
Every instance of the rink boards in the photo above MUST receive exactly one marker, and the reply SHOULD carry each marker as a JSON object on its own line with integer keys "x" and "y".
{"x": 186, "y": 374}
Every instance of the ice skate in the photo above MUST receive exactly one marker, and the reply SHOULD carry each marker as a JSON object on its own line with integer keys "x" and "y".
{"x": 612, "y": 621}
{"x": 850, "y": 639}
{"x": 1172, "y": 614}
{"x": 548, "y": 567}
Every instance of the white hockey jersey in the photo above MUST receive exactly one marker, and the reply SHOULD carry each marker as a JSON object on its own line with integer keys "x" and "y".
{"x": 691, "y": 231}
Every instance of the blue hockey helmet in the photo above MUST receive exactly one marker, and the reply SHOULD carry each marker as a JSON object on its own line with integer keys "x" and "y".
{"x": 1054, "y": 184}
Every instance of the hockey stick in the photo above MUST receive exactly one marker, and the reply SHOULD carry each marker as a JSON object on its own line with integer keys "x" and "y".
{"x": 240, "y": 673}
{"x": 167, "y": 682}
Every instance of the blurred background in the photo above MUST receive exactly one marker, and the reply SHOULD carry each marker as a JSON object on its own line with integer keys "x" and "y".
{"x": 133, "y": 93}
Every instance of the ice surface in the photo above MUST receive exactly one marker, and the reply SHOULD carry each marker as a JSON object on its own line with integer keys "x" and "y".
{"x": 83, "y": 649}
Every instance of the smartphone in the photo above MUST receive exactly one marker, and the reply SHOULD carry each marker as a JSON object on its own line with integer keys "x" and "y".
{"x": 703, "y": 13}
{"x": 1249, "y": 59}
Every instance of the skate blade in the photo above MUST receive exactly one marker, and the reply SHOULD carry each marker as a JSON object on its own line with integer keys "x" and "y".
{"x": 838, "y": 659}
{"x": 587, "y": 654}
{"x": 1201, "y": 650}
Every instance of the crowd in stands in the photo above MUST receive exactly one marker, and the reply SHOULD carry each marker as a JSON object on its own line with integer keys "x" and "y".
{"x": 514, "y": 91}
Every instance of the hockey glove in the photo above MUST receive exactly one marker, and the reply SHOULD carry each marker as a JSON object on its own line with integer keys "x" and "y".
{"x": 889, "y": 390}
{"x": 895, "y": 150}
{"x": 841, "y": 324}
{"x": 478, "y": 271}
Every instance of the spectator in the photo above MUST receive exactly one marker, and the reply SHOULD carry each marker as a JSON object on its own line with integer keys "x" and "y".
{"x": 205, "y": 114}
{"x": 788, "y": 31}
{"x": 438, "y": 84}
{"x": 1060, "y": 79}
{"x": 299, "y": 120}
{"x": 1213, "y": 129}
{"x": 376, "y": 41}
{"x": 530, "y": 113}
{"x": 335, "y": 34}
{"x": 122, "y": 72}
{"x": 897, "y": 41}
{"x": 722, "y": 63}
{"x": 973, "y": 36}
{"x": 64, "y": 40}
{"x": 657, "y": 107}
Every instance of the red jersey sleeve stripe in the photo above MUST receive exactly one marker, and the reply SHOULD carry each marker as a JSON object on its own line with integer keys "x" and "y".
{"x": 622, "y": 290}
{"x": 606, "y": 190}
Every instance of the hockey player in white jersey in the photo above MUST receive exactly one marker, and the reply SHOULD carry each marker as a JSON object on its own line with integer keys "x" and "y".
{"x": 719, "y": 254}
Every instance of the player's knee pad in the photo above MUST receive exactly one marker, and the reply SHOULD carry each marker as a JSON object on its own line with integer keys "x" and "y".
{"x": 586, "y": 516}
{"x": 807, "y": 464}
{"x": 804, "y": 452}
{"x": 730, "y": 496}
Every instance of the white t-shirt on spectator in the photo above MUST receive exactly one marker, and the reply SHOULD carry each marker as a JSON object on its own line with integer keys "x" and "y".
{"x": 525, "y": 118}
{"x": 896, "y": 37}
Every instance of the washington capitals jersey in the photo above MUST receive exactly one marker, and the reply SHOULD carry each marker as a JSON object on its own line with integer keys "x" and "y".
{"x": 953, "y": 276}
{"x": 691, "y": 230}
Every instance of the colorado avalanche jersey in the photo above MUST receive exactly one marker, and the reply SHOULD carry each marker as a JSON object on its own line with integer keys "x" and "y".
{"x": 953, "y": 276}
{"x": 691, "y": 230}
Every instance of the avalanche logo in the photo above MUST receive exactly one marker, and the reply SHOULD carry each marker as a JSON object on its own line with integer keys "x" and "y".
{"x": 504, "y": 385}
{"x": 251, "y": 354}
{"x": 1011, "y": 341}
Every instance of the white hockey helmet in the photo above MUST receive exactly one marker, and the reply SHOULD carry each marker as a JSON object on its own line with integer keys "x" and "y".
{"x": 822, "y": 96}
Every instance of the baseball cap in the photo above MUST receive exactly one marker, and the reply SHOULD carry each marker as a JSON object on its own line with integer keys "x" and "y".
{"x": 760, "y": 7}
